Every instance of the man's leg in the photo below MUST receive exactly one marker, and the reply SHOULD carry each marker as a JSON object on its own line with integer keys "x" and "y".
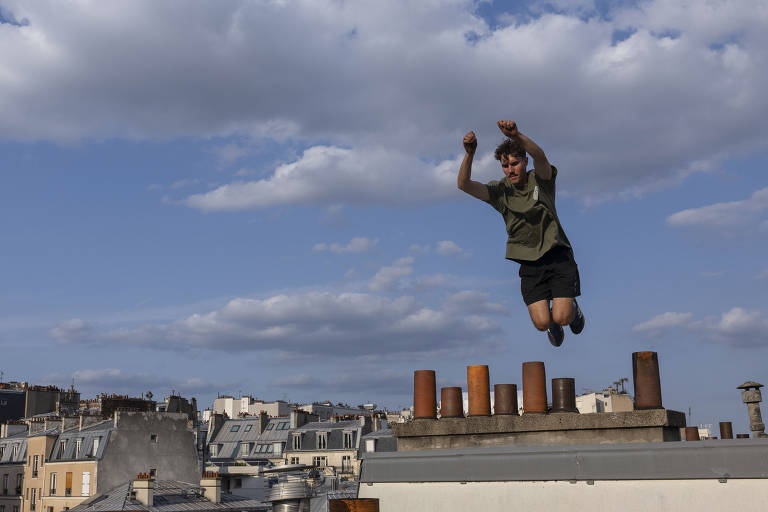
{"x": 540, "y": 314}
{"x": 562, "y": 310}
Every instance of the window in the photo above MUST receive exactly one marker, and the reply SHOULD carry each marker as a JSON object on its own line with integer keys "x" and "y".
{"x": 245, "y": 449}
{"x": 294, "y": 460}
{"x": 68, "y": 482}
{"x": 238, "y": 483}
{"x": 62, "y": 448}
{"x": 346, "y": 464}
{"x": 86, "y": 484}
{"x": 277, "y": 448}
{"x": 269, "y": 448}
{"x": 283, "y": 425}
{"x": 214, "y": 449}
{"x": 5, "y": 485}
{"x": 153, "y": 438}
{"x": 15, "y": 508}
{"x": 35, "y": 460}
{"x": 18, "y": 483}
{"x": 370, "y": 445}
{"x": 152, "y": 472}
{"x": 2, "y": 508}
{"x": 2, "y": 451}
{"x": 349, "y": 439}
{"x": 53, "y": 484}
{"x": 248, "y": 427}
{"x": 78, "y": 447}
{"x": 96, "y": 443}
{"x": 234, "y": 428}
{"x": 270, "y": 426}
{"x": 322, "y": 440}
{"x": 319, "y": 461}
{"x": 13, "y": 452}
{"x": 49, "y": 509}
{"x": 297, "y": 441}
{"x": 34, "y": 500}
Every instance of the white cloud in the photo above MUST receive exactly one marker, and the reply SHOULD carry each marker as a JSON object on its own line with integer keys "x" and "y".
{"x": 316, "y": 324}
{"x": 356, "y": 245}
{"x": 374, "y": 66}
{"x": 664, "y": 321}
{"x": 387, "y": 277}
{"x": 733, "y": 215}
{"x": 184, "y": 183}
{"x": 737, "y": 327}
{"x": 114, "y": 380}
{"x": 450, "y": 248}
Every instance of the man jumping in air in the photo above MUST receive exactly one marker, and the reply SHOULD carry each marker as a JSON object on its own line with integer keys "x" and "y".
{"x": 536, "y": 239}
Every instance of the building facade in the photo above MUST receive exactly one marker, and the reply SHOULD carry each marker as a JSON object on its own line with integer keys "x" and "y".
{"x": 332, "y": 446}
{"x": 13, "y": 454}
{"x": 69, "y": 463}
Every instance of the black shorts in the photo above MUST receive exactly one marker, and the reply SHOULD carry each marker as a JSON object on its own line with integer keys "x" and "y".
{"x": 553, "y": 275}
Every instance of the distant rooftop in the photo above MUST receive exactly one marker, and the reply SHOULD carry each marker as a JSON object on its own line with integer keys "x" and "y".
{"x": 169, "y": 496}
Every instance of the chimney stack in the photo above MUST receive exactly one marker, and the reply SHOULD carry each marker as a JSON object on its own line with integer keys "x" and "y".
{"x": 752, "y": 397}
{"x": 505, "y": 399}
{"x": 424, "y": 394}
{"x": 479, "y": 390}
{"x": 211, "y": 484}
{"x": 144, "y": 489}
{"x": 726, "y": 430}
{"x": 534, "y": 388}
{"x": 564, "y": 395}
{"x": 451, "y": 402}
{"x": 645, "y": 375}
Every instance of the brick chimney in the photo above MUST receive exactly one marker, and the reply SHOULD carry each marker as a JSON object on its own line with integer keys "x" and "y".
{"x": 144, "y": 489}
{"x": 263, "y": 420}
{"x": 211, "y": 484}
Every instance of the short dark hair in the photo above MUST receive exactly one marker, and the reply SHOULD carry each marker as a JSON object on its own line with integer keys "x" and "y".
{"x": 509, "y": 147}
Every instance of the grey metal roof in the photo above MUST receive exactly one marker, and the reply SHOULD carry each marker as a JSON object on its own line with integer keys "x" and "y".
{"x": 335, "y": 435}
{"x": 19, "y": 441}
{"x": 49, "y": 432}
{"x": 729, "y": 458}
{"x": 228, "y": 442}
{"x": 327, "y": 426}
{"x": 384, "y": 432}
{"x": 169, "y": 496}
{"x": 87, "y": 438}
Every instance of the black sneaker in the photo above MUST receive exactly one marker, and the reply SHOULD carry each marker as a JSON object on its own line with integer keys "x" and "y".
{"x": 577, "y": 325}
{"x": 555, "y": 334}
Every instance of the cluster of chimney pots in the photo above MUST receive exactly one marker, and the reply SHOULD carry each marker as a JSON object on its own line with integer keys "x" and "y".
{"x": 645, "y": 375}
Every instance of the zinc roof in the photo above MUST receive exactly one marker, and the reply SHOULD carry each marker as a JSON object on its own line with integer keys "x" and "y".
{"x": 169, "y": 496}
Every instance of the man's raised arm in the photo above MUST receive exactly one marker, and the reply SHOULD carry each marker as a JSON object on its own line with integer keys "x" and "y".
{"x": 465, "y": 182}
{"x": 540, "y": 162}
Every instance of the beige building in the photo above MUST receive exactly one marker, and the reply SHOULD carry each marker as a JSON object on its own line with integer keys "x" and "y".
{"x": 247, "y": 405}
{"x": 605, "y": 401}
{"x": 13, "y": 454}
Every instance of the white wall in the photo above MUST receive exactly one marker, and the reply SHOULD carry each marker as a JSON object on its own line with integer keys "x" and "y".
{"x": 744, "y": 495}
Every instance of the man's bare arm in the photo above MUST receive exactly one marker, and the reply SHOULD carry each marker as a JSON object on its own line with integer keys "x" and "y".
{"x": 540, "y": 162}
{"x": 465, "y": 182}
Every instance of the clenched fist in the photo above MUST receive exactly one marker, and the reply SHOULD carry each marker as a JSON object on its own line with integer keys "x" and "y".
{"x": 508, "y": 128}
{"x": 470, "y": 142}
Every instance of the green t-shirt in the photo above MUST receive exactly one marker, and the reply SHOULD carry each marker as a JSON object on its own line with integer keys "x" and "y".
{"x": 530, "y": 216}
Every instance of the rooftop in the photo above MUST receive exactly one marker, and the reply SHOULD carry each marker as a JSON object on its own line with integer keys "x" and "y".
{"x": 169, "y": 496}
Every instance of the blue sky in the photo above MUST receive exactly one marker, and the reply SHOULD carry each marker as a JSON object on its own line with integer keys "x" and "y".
{"x": 259, "y": 197}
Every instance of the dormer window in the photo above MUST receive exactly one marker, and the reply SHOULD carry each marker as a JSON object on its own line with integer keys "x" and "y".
{"x": 322, "y": 440}
{"x": 62, "y": 448}
{"x": 349, "y": 439}
{"x": 234, "y": 428}
{"x": 297, "y": 441}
